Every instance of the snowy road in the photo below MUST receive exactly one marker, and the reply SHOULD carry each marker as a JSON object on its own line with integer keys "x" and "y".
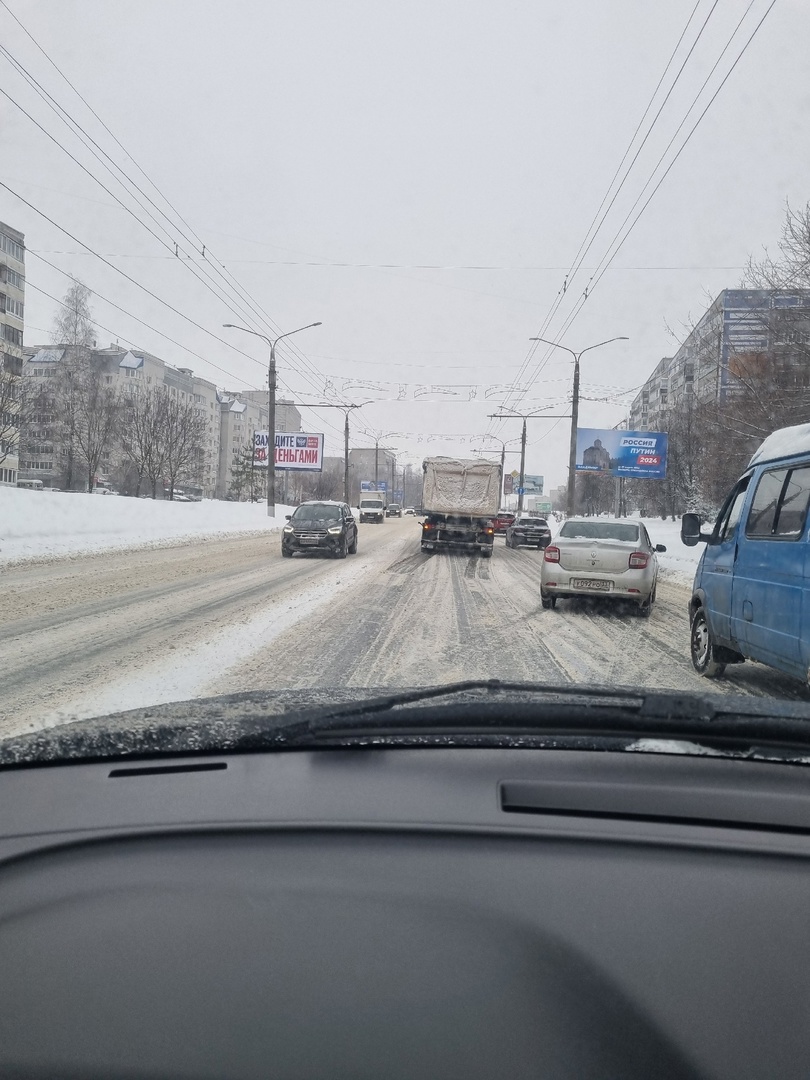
{"x": 104, "y": 632}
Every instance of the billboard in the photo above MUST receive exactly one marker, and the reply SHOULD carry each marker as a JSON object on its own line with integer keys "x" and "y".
{"x": 295, "y": 450}
{"x": 369, "y": 485}
{"x": 508, "y": 484}
{"x": 640, "y": 454}
{"x": 532, "y": 485}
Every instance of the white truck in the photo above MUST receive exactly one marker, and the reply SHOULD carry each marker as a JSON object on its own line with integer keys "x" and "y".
{"x": 460, "y": 499}
{"x": 372, "y": 506}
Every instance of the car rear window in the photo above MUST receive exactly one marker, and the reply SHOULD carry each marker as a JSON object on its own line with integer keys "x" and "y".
{"x": 534, "y": 521}
{"x": 600, "y": 530}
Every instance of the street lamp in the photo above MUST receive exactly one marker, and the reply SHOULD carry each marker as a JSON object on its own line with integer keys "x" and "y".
{"x": 572, "y": 450}
{"x": 271, "y": 418}
{"x": 504, "y": 451}
{"x": 378, "y": 438}
{"x": 512, "y": 415}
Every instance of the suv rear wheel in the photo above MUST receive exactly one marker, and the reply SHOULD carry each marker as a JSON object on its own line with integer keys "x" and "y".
{"x": 353, "y": 544}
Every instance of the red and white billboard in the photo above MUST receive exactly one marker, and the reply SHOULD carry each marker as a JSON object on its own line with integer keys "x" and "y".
{"x": 295, "y": 450}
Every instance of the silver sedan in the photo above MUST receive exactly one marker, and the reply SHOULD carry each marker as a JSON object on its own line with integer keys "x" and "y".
{"x": 598, "y": 557}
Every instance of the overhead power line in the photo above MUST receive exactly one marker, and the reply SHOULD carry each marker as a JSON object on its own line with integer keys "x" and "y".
{"x": 594, "y": 228}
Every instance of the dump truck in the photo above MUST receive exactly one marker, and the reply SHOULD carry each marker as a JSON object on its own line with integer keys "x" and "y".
{"x": 460, "y": 498}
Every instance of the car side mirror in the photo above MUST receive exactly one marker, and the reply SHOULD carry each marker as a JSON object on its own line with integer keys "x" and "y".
{"x": 660, "y": 548}
{"x": 288, "y": 516}
{"x": 690, "y": 531}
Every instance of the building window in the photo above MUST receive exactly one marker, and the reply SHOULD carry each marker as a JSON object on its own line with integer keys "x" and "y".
{"x": 12, "y": 248}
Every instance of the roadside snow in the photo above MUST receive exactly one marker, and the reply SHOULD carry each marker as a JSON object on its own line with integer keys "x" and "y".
{"x": 43, "y": 524}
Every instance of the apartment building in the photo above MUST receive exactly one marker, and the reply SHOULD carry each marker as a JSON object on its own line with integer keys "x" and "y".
{"x": 243, "y": 412}
{"x": 12, "y": 312}
{"x": 288, "y": 418}
{"x": 739, "y": 328}
{"x": 45, "y": 454}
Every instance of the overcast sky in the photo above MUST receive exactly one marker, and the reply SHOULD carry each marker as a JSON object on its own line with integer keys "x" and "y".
{"x": 418, "y": 176}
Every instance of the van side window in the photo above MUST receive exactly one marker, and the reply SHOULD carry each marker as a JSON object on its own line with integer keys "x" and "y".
{"x": 779, "y": 507}
{"x": 731, "y": 512}
{"x": 793, "y": 506}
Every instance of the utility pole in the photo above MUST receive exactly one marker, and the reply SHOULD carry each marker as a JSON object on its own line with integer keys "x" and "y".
{"x": 271, "y": 409}
{"x": 511, "y": 415}
{"x": 572, "y": 445}
{"x": 346, "y": 409}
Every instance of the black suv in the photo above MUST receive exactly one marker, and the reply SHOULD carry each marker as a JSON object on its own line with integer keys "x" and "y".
{"x": 320, "y": 526}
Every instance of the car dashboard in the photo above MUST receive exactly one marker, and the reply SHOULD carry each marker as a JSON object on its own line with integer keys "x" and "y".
{"x": 413, "y": 912}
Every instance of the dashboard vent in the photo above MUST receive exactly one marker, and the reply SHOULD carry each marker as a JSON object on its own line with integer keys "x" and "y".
{"x": 161, "y": 770}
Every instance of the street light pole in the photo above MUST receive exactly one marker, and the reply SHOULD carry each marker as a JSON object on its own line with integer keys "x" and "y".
{"x": 572, "y": 445}
{"x": 511, "y": 415}
{"x": 271, "y": 409}
{"x": 346, "y": 409}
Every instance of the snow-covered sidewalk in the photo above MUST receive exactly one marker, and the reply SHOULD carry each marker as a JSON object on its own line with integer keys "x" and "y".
{"x": 44, "y": 524}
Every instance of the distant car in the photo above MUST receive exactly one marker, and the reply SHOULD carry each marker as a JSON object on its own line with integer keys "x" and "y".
{"x": 320, "y": 526}
{"x": 393, "y": 510}
{"x": 410, "y": 510}
{"x": 502, "y": 522}
{"x": 612, "y": 559}
{"x": 529, "y": 532}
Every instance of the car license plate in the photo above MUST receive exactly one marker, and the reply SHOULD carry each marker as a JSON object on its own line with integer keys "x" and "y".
{"x": 592, "y": 583}
{"x": 308, "y": 540}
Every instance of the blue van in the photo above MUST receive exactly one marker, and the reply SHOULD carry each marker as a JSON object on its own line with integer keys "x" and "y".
{"x": 751, "y": 596}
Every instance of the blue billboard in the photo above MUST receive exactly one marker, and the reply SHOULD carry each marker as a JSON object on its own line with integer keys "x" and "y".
{"x": 638, "y": 454}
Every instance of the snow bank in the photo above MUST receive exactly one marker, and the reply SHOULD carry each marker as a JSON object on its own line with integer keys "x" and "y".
{"x": 41, "y": 524}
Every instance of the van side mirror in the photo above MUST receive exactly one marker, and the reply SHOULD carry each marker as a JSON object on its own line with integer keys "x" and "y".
{"x": 690, "y": 531}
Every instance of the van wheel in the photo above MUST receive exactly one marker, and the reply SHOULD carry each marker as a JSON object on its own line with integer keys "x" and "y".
{"x": 703, "y": 648}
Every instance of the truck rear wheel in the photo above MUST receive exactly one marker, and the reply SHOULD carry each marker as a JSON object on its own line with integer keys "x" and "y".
{"x": 486, "y": 553}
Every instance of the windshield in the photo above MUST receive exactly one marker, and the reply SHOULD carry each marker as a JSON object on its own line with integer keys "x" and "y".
{"x": 453, "y": 267}
{"x": 316, "y": 512}
{"x": 599, "y": 530}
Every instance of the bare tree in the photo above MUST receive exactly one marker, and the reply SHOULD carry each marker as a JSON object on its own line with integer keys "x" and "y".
{"x": 73, "y": 323}
{"x": 72, "y": 328}
{"x": 790, "y": 269}
{"x": 91, "y": 411}
{"x": 14, "y": 401}
{"x": 184, "y": 432}
{"x": 143, "y": 441}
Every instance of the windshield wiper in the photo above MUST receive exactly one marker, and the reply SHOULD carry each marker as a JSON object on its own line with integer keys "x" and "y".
{"x": 517, "y": 710}
{"x": 479, "y": 712}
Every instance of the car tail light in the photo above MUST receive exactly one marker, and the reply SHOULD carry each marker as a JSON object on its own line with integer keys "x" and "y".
{"x": 552, "y": 554}
{"x": 638, "y": 560}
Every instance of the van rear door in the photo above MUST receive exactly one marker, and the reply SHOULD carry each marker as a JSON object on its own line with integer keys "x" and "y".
{"x": 770, "y": 585}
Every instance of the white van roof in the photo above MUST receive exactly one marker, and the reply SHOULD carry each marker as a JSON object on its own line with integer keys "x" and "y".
{"x": 786, "y": 442}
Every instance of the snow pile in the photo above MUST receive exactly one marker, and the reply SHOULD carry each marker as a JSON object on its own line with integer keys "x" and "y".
{"x": 39, "y": 524}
